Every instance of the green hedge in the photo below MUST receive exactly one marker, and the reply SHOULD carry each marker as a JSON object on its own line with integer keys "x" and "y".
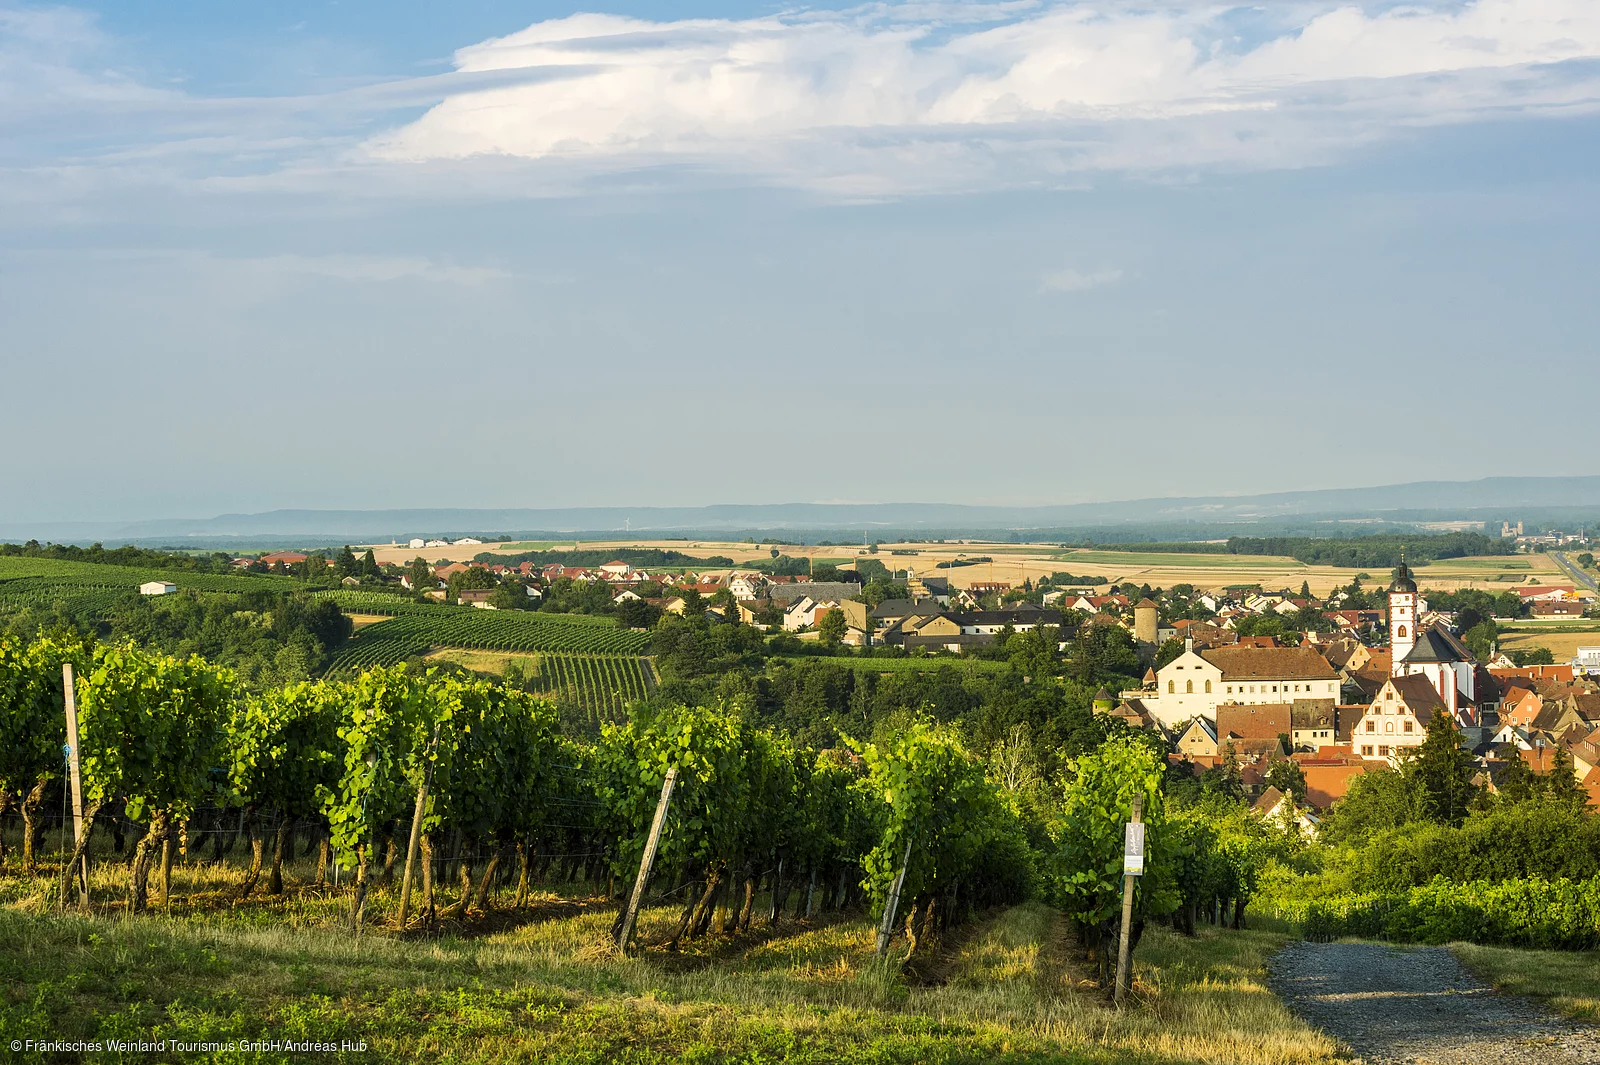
{"x": 1534, "y": 912}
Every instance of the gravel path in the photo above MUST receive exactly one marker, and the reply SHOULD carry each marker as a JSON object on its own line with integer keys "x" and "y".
{"x": 1419, "y": 1004}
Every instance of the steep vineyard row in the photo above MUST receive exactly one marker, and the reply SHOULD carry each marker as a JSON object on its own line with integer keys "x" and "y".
{"x": 402, "y": 636}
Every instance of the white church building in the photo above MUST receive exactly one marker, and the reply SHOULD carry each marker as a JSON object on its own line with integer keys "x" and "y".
{"x": 1434, "y": 652}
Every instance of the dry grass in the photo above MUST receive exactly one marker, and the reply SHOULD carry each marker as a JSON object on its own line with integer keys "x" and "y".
{"x": 495, "y": 662}
{"x": 1566, "y": 981}
{"x": 540, "y": 984}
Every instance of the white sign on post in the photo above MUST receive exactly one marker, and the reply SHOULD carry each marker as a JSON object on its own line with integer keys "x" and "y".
{"x": 1133, "y": 849}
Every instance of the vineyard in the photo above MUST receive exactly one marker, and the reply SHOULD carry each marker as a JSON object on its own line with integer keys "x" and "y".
{"x": 167, "y": 744}
{"x": 412, "y": 800}
{"x": 602, "y": 684}
{"x": 414, "y": 631}
{"x": 94, "y": 589}
{"x": 389, "y": 604}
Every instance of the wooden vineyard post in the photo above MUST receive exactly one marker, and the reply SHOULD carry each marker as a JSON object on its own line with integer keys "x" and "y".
{"x": 70, "y": 700}
{"x": 416, "y": 831}
{"x": 1132, "y": 866}
{"x": 625, "y": 933}
{"x": 886, "y": 930}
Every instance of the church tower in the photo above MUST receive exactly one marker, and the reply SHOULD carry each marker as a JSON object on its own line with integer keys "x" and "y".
{"x": 1402, "y": 616}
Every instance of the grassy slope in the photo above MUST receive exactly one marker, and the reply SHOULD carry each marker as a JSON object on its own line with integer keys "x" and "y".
{"x": 548, "y": 991}
{"x": 1565, "y": 980}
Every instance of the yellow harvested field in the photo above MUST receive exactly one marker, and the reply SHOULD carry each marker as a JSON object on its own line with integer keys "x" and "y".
{"x": 363, "y": 620}
{"x": 1563, "y": 645}
{"x": 1013, "y": 563}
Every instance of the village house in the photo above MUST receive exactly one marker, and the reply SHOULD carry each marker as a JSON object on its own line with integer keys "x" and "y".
{"x": 476, "y": 597}
{"x": 1196, "y": 683}
{"x": 746, "y": 585}
{"x": 1398, "y": 718}
{"x": 1314, "y": 723}
{"x": 1558, "y": 608}
{"x": 288, "y": 558}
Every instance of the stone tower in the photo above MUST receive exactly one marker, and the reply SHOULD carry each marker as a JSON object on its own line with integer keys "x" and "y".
{"x": 1146, "y": 621}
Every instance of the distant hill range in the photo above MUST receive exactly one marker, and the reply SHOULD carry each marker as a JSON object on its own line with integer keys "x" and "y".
{"x": 1327, "y": 512}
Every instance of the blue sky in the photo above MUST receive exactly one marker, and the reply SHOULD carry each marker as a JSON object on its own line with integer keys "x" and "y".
{"x": 360, "y": 254}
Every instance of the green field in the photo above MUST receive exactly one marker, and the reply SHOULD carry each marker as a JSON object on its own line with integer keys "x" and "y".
{"x": 26, "y": 582}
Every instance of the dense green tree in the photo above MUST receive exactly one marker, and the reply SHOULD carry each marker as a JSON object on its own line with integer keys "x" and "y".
{"x": 637, "y": 613}
{"x": 1168, "y": 652}
{"x": 345, "y": 565}
{"x": 831, "y": 629}
{"x": 420, "y": 575}
{"x": 1225, "y": 779}
{"x": 475, "y": 578}
{"x": 1377, "y": 800}
{"x": 1517, "y": 782}
{"x": 1104, "y": 654}
{"x": 510, "y": 595}
{"x": 1561, "y": 783}
{"x": 1480, "y": 638}
{"x": 370, "y": 570}
{"x": 1286, "y": 775}
{"x": 1443, "y": 770}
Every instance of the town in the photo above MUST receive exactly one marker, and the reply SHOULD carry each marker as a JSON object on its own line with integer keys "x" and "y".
{"x": 1262, "y": 684}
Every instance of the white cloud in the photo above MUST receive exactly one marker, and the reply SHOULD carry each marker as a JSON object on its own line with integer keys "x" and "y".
{"x": 902, "y": 97}
{"x": 1077, "y": 280}
{"x": 880, "y": 100}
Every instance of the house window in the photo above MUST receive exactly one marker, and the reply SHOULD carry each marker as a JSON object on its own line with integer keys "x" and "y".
{"x": 1366, "y": 749}
{"x": 1407, "y": 727}
{"x": 1372, "y": 726}
{"x": 1383, "y": 750}
{"x": 1388, "y": 726}
{"x": 1388, "y": 695}
{"x": 1172, "y": 687}
{"x": 1188, "y": 687}
{"x": 1230, "y": 689}
{"x": 1400, "y": 632}
{"x": 1208, "y": 687}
